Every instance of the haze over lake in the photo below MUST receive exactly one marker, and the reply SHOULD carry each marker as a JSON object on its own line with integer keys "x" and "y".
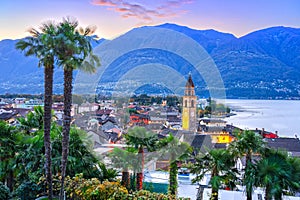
{"x": 273, "y": 115}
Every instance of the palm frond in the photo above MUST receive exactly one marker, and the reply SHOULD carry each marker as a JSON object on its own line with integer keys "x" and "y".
{"x": 34, "y": 32}
{"x": 90, "y": 30}
{"x": 48, "y": 27}
{"x": 70, "y": 21}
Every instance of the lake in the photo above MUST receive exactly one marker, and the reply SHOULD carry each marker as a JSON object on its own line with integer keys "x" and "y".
{"x": 273, "y": 115}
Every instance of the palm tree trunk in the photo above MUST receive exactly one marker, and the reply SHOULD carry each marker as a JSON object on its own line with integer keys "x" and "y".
{"x": 173, "y": 177}
{"x": 214, "y": 194}
{"x": 139, "y": 176}
{"x": 125, "y": 178}
{"x": 48, "y": 89}
{"x": 200, "y": 193}
{"x": 68, "y": 77}
{"x": 267, "y": 192}
{"x": 10, "y": 180}
{"x": 248, "y": 186}
{"x": 278, "y": 196}
{"x": 214, "y": 190}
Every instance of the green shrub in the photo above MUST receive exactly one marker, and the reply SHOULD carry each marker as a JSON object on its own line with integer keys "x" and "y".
{"x": 4, "y": 192}
{"x": 27, "y": 191}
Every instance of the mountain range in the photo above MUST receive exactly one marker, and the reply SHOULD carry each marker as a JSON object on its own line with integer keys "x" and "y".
{"x": 264, "y": 64}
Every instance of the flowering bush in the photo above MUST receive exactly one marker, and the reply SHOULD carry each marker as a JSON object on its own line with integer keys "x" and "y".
{"x": 56, "y": 179}
{"x": 90, "y": 189}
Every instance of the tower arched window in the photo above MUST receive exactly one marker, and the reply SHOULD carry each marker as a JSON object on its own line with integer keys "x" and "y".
{"x": 192, "y": 103}
{"x": 185, "y": 103}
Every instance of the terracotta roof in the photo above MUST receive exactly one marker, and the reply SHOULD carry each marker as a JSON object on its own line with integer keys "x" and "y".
{"x": 141, "y": 116}
{"x": 270, "y": 135}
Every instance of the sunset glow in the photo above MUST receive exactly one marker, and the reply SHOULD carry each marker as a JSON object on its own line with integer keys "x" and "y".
{"x": 115, "y": 17}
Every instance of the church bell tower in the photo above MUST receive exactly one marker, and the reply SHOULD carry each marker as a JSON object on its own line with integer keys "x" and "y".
{"x": 189, "y": 102}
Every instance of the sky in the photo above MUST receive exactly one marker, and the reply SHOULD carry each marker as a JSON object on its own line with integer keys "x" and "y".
{"x": 115, "y": 17}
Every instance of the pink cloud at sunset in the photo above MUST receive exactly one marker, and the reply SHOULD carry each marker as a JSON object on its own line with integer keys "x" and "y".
{"x": 144, "y": 11}
{"x": 115, "y": 17}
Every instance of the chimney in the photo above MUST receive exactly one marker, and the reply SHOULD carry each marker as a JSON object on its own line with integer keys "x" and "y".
{"x": 262, "y": 132}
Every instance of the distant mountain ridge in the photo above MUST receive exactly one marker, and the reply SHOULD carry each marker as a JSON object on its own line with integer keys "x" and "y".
{"x": 261, "y": 64}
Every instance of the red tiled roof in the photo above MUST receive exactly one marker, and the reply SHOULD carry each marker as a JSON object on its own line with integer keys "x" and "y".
{"x": 270, "y": 135}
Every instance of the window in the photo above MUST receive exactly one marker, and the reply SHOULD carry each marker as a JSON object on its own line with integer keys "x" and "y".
{"x": 192, "y": 104}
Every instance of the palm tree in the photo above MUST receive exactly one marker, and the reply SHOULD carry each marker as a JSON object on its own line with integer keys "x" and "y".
{"x": 219, "y": 163}
{"x": 276, "y": 172}
{"x": 294, "y": 163}
{"x": 74, "y": 47}
{"x": 246, "y": 144}
{"x": 29, "y": 159}
{"x": 42, "y": 45}
{"x": 123, "y": 159}
{"x": 140, "y": 138}
{"x": 175, "y": 151}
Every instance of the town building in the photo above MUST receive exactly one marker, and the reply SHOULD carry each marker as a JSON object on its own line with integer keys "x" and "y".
{"x": 290, "y": 145}
{"x": 10, "y": 115}
{"x": 88, "y": 107}
{"x": 220, "y": 132}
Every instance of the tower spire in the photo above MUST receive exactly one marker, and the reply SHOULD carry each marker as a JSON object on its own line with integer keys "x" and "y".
{"x": 190, "y": 82}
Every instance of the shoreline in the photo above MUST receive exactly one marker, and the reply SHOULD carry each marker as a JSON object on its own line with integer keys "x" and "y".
{"x": 272, "y": 115}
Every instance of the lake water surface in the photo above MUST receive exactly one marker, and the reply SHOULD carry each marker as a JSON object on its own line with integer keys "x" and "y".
{"x": 273, "y": 115}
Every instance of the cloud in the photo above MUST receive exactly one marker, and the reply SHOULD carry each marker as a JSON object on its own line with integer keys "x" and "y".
{"x": 104, "y": 3}
{"x": 145, "y": 12}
